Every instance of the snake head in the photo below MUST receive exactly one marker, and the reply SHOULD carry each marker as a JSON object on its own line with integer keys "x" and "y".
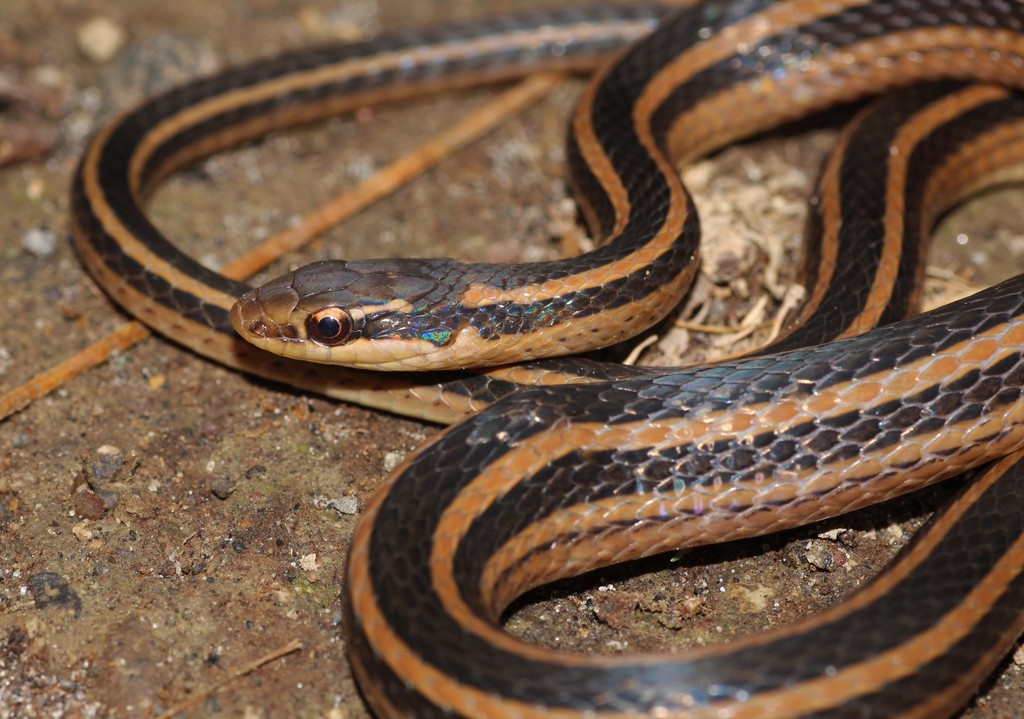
{"x": 393, "y": 314}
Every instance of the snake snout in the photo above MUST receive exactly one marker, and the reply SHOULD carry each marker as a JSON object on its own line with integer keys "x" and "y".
{"x": 265, "y": 313}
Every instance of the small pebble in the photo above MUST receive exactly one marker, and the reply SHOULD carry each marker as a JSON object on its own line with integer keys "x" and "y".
{"x": 308, "y": 562}
{"x": 106, "y": 463}
{"x": 167, "y": 569}
{"x": 343, "y": 505}
{"x": 392, "y": 460}
{"x": 82, "y": 531}
{"x": 39, "y": 242}
{"x": 51, "y": 77}
{"x": 347, "y": 505}
{"x": 109, "y": 497}
{"x": 35, "y": 188}
{"x": 222, "y": 488}
{"x": 210, "y": 429}
{"x": 100, "y": 39}
{"x": 824, "y": 556}
{"x": 894, "y": 535}
{"x": 50, "y": 589}
{"x": 88, "y": 504}
{"x": 69, "y": 312}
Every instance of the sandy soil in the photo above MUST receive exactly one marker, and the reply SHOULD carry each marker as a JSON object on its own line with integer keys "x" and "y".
{"x": 225, "y": 537}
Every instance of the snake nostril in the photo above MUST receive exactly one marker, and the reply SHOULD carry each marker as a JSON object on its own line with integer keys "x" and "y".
{"x": 258, "y": 328}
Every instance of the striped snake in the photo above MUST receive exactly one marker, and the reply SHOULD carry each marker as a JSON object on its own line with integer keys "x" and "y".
{"x": 547, "y": 481}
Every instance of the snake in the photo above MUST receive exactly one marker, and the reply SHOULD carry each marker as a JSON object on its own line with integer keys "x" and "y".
{"x": 562, "y": 465}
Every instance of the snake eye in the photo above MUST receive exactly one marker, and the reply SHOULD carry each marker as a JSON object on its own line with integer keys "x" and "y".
{"x": 329, "y": 327}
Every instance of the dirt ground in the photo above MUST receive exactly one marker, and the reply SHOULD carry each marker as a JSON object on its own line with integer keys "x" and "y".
{"x": 213, "y": 526}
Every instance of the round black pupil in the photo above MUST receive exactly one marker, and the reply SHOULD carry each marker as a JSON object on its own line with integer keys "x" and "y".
{"x": 328, "y": 327}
